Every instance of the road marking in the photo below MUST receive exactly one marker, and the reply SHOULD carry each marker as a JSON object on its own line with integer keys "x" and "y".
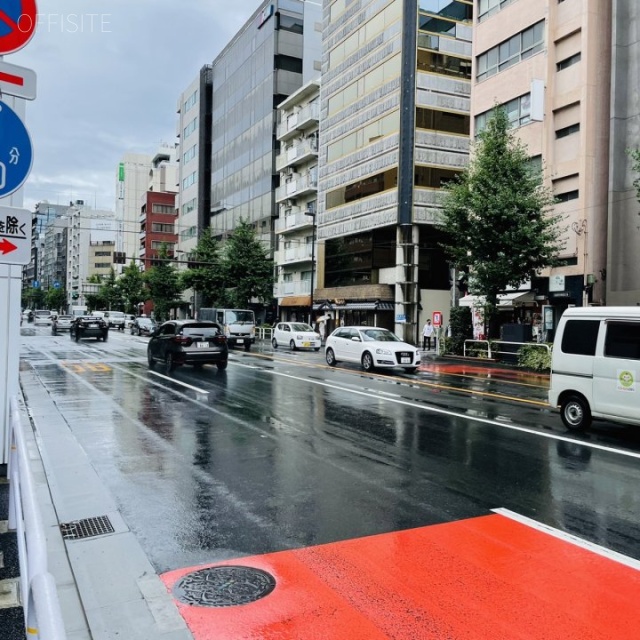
{"x": 456, "y": 414}
{"x": 568, "y": 537}
{"x": 184, "y": 384}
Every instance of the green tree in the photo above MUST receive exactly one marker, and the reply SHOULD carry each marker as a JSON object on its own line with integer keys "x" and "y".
{"x": 247, "y": 268}
{"x": 132, "y": 287}
{"x": 207, "y": 274}
{"x": 635, "y": 159}
{"x": 33, "y": 298}
{"x": 164, "y": 286}
{"x": 110, "y": 291}
{"x": 56, "y": 299}
{"x": 497, "y": 217}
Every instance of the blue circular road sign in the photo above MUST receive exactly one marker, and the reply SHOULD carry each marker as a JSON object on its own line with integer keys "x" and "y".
{"x": 16, "y": 154}
{"x": 56, "y": 285}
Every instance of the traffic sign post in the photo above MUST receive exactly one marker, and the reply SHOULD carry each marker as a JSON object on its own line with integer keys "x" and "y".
{"x": 16, "y": 154}
{"x": 18, "y": 21}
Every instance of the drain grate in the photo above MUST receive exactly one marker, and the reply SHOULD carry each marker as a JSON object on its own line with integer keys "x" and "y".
{"x": 87, "y": 528}
{"x": 224, "y": 586}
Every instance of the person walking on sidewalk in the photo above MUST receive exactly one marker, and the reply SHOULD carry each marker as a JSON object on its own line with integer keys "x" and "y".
{"x": 427, "y": 334}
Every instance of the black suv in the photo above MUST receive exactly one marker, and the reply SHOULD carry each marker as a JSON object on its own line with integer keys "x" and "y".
{"x": 179, "y": 342}
{"x": 89, "y": 327}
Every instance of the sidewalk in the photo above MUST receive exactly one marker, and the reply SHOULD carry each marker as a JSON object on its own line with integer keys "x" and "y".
{"x": 106, "y": 585}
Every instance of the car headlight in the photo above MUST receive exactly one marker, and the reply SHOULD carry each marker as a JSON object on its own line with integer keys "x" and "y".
{"x": 383, "y": 352}
{"x": 299, "y": 338}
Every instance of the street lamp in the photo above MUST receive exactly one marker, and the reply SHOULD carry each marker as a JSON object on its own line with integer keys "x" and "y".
{"x": 312, "y": 213}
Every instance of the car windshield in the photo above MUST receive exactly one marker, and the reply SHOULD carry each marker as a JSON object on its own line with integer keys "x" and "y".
{"x": 239, "y": 316}
{"x": 145, "y": 322}
{"x": 116, "y": 314}
{"x": 300, "y": 326}
{"x": 200, "y": 331}
{"x": 379, "y": 335}
{"x": 43, "y": 313}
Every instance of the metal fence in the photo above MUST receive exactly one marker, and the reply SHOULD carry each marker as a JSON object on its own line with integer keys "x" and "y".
{"x": 42, "y": 614}
{"x": 264, "y": 333}
{"x": 491, "y": 351}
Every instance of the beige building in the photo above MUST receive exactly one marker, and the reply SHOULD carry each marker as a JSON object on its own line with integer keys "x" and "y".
{"x": 297, "y": 164}
{"x": 548, "y": 62}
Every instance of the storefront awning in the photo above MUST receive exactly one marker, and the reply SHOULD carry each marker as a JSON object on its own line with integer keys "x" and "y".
{"x": 505, "y": 300}
{"x": 296, "y": 301}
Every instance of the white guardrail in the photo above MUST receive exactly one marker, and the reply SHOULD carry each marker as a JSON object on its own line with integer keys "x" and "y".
{"x": 264, "y": 333}
{"x": 42, "y": 614}
{"x": 490, "y": 353}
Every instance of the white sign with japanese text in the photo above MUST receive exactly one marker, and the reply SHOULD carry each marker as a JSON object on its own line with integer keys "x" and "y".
{"x": 15, "y": 236}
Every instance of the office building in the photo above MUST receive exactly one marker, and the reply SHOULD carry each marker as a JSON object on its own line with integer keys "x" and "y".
{"x": 394, "y": 126}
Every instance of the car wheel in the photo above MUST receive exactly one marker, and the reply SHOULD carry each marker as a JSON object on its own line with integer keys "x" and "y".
{"x": 575, "y": 413}
{"x": 316, "y": 348}
{"x": 222, "y": 365}
{"x": 169, "y": 364}
{"x": 274, "y": 343}
{"x": 77, "y": 336}
{"x": 330, "y": 357}
{"x": 247, "y": 346}
{"x": 410, "y": 369}
{"x": 105, "y": 336}
{"x": 367, "y": 361}
{"x": 54, "y": 332}
{"x": 150, "y": 360}
{"x": 292, "y": 344}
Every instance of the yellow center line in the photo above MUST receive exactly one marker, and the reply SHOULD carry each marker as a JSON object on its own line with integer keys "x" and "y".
{"x": 432, "y": 385}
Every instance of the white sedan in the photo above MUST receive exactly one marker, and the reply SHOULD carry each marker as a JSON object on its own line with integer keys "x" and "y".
{"x": 372, "y": 347}
{"x": 296, "y": 335}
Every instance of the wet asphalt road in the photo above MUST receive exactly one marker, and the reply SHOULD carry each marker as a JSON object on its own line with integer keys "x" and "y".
{"x": 281, "y": 451}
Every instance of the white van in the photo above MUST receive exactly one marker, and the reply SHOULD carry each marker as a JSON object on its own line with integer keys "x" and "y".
{"x": 239, "y": 325}
{"x": 595, "y": 366}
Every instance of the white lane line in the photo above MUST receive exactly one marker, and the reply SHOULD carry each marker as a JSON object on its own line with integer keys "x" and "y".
{"x": 456, "y": 414}
{"x": 184, "y": 384}
{"x": 568, "y": 537}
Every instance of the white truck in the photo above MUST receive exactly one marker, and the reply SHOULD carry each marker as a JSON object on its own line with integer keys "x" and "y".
{"x": 239, "y": 325}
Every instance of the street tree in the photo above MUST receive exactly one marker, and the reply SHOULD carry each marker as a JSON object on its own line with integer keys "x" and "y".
{"x": 56, "y": 299}
{"x": 205, "y": 274}
{"x": 634, "y": 154}
{"x": 132, "y": 287}
{"x": 497, "y": 217}
{"x": 247, "y": 268}
{"x": 110, "y": 291}
{"x": 163, "y": 282}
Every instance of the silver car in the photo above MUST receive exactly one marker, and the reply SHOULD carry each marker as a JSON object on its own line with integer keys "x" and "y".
{"x": 61, "y": 323}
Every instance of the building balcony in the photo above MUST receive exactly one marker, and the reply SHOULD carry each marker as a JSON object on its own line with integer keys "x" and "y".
{"x": 293, "y": 288}
{"x": 304, "y": 151}
{"x": 302, "y": 120}
{"x": 296, "y": 254}
{"x": 296, "y": 220}
{"x": 298, "y": 185}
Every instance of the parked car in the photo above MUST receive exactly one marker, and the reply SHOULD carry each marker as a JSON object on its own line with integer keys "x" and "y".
{"x": 296, "y": 335}
{"x": 143, "y": 326}
{"x": 61, "y": 323}
{"x": 179, "y": 342}
{"x": 116, "y": 319}
{"x": 42, "y": 316}
{"x": 89, "y": 327}
{"x": 129, "y": 319}
{"x": 372, "y": 347}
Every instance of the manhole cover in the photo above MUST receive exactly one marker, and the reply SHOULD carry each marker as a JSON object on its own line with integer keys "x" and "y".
{"x": 224, "y": 586}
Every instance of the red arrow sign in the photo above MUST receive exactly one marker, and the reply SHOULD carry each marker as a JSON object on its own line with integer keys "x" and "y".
{"x": 6, "y": 246}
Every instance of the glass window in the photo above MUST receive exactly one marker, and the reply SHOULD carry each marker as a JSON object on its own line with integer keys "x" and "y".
{"x": 622, "y": 340}
{"x": 580, "y": 337}
{"x": 568, "y": 62}
{"x": 567, "y": 131}
{"x": 448, "y": 8}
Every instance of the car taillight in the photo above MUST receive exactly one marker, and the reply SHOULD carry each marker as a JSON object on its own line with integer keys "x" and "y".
{"x": 185, "y": 341}
{"x": 220, "y": 339}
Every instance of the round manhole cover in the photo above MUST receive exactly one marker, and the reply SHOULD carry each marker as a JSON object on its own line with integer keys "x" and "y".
{"x": 224, "y": 586}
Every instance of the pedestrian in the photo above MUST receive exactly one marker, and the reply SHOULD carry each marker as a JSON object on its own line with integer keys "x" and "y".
{"x": 427, "y": 333}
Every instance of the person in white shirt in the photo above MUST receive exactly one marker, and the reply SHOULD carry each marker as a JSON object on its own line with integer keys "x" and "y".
{"x": 427, "y": 334}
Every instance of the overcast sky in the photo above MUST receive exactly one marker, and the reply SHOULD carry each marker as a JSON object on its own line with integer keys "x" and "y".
{"x": 109, "y": 76}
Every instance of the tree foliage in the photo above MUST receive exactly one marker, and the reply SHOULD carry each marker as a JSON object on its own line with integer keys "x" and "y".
{"x": 247, "y": 268}
{"x": 56, "y": 299}
{"x": 206, "y": 275}
{"x": 132, "y": 287}
{"x": 164, "y": 286}
{"x": 635, "y": 160}
{"x": 110, "y": 291}
{"x": 497, "y": 215}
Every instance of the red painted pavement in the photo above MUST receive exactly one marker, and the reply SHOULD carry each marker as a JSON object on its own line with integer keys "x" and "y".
{"x": 487, "y": 578}
{"x": 463, "y": 369}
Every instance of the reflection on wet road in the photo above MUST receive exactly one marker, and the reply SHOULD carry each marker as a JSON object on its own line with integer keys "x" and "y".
{"x": 282, "y": 452}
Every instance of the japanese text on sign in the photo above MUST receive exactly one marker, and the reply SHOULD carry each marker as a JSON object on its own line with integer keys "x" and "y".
{"x": 10, "y": 226}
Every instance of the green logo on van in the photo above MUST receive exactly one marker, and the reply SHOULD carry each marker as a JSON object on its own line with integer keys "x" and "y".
{"x": 626, "y": 379}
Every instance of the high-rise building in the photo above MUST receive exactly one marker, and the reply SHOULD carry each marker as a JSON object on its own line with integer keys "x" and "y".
{"x": 132, "y": 181}
{"x": 394, "y": 127}
{"x": 297, "y": 163}
{"x": 266, "y": 61}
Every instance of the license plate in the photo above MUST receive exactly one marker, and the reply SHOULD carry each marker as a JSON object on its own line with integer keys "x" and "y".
{"x": 306, "y": 344}
{"x": 240, "y": 341}
{"x": 405, "y": 360}
{"x": 202, "y": 345}
{"x": 93, "y": 324}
